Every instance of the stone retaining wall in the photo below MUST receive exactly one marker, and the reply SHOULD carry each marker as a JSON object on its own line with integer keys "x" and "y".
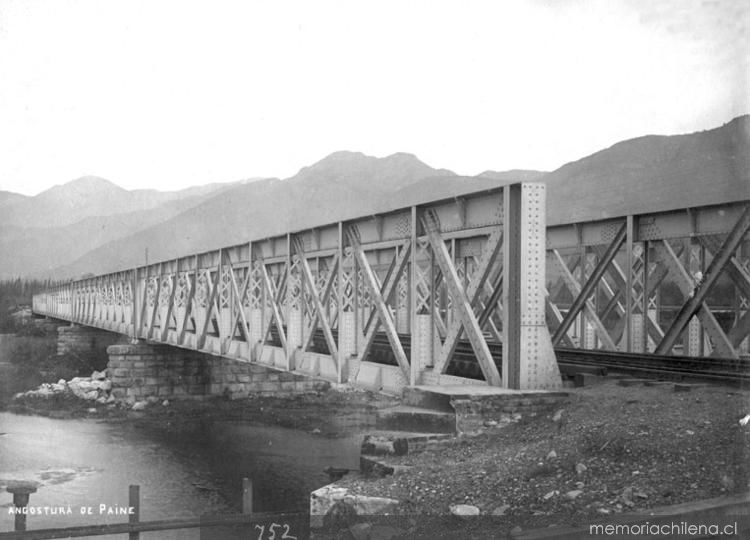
{"x": 476, "y": 413}
{"x": 141, "y": 371}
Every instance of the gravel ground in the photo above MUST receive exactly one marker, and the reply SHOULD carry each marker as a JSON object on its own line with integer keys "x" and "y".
{"x": 611, "y": 449}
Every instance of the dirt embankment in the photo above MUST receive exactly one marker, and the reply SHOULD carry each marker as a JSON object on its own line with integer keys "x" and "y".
{"x": 610, "y": 450}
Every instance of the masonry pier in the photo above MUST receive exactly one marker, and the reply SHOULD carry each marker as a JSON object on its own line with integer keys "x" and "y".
{"x": 85, "y": 340}
{"x": 139, "y": 371}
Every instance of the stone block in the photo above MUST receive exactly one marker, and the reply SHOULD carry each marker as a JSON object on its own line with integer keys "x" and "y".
{"x": 269, "y": 386}
{"x": 122, "y": 381}
{"x": 323, "y": 499}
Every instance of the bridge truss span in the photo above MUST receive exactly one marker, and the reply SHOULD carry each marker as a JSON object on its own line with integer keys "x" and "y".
{"x": 437, "y": 272}
{"x": 441, "y": 280}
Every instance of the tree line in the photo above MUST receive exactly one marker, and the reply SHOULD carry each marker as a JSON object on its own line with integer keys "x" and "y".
{"x": 15, "y": 294}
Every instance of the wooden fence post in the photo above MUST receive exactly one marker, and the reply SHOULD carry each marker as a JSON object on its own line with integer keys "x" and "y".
{"x": 21, "y": 492}
{"x": 247, "y": 496}
{"x": 134, "y": 501}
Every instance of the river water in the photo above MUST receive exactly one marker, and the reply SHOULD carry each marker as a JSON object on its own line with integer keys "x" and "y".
{"x": 88, "y": 464}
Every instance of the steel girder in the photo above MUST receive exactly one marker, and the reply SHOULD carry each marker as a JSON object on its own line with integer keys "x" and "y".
{"x": 632, "y": 281}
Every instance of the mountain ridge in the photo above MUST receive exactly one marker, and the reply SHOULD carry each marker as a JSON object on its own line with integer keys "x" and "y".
{"x": 89, "y": 196}
{"x": 639, "y": 175}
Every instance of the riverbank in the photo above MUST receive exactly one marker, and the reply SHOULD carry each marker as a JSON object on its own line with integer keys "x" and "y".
{"x": 610, "y": 449}
{"x": 326, "y": 412}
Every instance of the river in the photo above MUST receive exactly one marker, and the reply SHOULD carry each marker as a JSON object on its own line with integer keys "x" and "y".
{"x": 87, "y": 463}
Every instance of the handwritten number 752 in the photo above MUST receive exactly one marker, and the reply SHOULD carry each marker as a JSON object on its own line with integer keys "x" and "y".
{"x": 272, "y": 532}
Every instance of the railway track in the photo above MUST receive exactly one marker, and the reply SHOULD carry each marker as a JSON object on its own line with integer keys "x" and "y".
{"x": 464, "y": 363}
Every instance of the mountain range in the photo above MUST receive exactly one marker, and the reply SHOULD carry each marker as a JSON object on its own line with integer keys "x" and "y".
{"x": 91, "y": 225}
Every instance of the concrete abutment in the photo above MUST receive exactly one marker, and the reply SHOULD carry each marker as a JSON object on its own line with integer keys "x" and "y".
{"x": 139, "y": 371}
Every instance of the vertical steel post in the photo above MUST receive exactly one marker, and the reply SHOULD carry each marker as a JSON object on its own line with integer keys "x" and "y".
{"x": 583, "y": 323}
{"x": 248, "y": 295}
{"x": 645, "y": 299}
{"x": 136, "y": 311}
{"x": 355, "y": 302}
{"x": 288, "y": 301}
{"x": 340, "y": 306}
{"x": 511, "y": 375}
{"x": 629, "y": 284}
{"x": 412, "y": 284}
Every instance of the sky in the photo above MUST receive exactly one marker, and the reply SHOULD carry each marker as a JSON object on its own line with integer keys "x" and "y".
{"x": 167, "y": 94}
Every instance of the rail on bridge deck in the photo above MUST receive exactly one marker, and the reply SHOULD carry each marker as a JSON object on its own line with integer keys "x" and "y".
{"x": 472, "y": 265}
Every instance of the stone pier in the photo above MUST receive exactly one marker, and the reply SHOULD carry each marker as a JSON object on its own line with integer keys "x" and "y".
{"x": 85, "y": 340}
{"x": 139, "y": 371}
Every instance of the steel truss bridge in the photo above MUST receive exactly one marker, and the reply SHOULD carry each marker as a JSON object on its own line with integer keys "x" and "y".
{"x": 475, "y": 270}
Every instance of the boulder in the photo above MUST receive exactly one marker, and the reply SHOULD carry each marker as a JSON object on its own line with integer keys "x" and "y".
{"x": 81, "y": 386}
{"x": 323, "y": 499}
{"x": 104, "y": 385}
{"x": 464, "y": 510}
